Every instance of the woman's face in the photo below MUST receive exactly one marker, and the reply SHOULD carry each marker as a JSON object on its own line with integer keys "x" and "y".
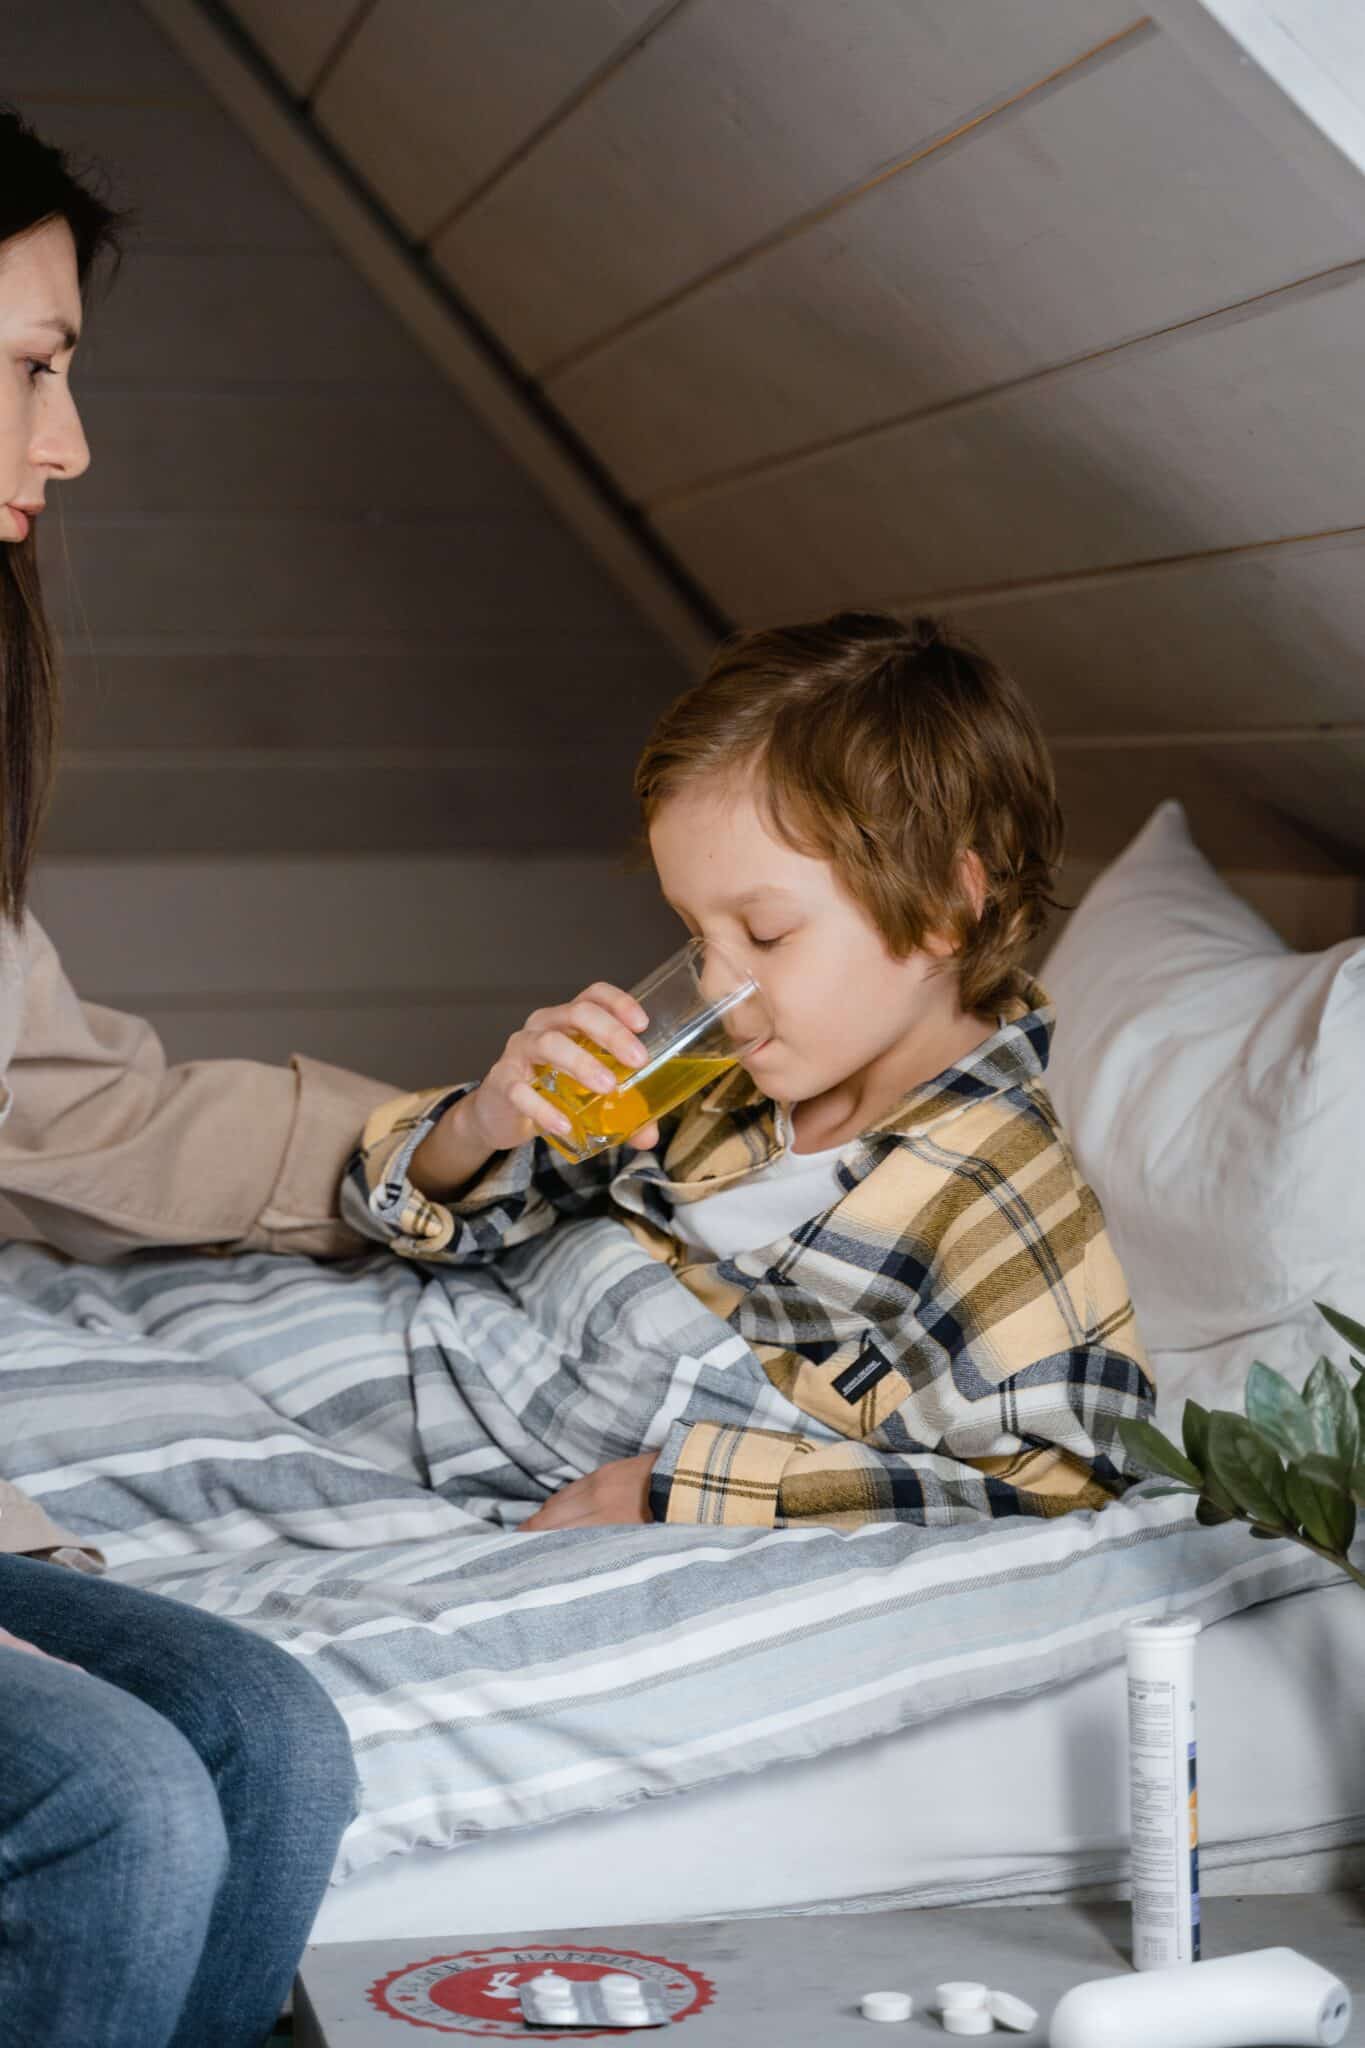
{"x": 40, "y": 318}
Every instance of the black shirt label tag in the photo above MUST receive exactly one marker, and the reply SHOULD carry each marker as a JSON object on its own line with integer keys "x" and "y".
{"x": 867, "y": 1368}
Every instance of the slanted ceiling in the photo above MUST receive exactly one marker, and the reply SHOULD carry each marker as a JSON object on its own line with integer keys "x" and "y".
{"x": 1049, "y": 316}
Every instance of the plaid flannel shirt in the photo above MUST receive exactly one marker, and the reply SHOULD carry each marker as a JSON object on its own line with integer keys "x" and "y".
{"x": 957, "y": 1326}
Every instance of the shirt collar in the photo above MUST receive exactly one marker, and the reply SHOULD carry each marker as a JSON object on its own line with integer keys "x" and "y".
{"x": 730, "y": 1128}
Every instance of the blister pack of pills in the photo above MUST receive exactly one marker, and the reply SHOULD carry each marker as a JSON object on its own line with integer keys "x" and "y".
{"x": 616, "y": 2000}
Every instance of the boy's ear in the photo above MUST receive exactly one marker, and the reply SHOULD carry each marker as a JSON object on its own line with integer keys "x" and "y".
{"x": 972, "y": 875}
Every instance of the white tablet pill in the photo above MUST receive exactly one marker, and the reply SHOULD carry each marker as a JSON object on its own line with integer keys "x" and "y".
{"x": 1008, "y": 2011}
{"x": 887, "y": 2005}
{"x": 967, "y": 2019}
{"x": 963, "y": 1994}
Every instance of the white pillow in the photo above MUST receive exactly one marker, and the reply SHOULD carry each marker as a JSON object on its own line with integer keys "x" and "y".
{"x": 1212, "y": 1084}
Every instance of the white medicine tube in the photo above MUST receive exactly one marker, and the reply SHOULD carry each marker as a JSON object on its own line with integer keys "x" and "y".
{"x": 1163, "y": 1792}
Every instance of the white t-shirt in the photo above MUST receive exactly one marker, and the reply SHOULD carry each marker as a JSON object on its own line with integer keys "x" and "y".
{"x": 789, "y": 1191}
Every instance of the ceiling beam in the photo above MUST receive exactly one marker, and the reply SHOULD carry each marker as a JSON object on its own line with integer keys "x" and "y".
{"x": 508, "y": 403}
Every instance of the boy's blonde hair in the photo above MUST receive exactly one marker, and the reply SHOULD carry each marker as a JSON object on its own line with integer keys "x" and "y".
{"x": 891, "y": 751}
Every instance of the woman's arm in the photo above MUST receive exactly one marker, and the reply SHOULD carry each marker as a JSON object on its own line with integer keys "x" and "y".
{"x": 108, "y": 1148}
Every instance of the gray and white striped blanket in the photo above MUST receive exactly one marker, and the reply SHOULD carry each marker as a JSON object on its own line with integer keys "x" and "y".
{"x": 338, "y": 1457}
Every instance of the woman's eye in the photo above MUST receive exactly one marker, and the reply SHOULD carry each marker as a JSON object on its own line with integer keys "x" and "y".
{"x": 764, "y": 944}
{"x": 37, "y": 369}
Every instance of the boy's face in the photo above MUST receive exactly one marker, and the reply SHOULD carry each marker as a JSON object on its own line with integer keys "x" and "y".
{"x": 839, "y": 1000}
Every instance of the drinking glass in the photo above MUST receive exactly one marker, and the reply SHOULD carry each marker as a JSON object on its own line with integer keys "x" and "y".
{"x": 705, "y": 1013}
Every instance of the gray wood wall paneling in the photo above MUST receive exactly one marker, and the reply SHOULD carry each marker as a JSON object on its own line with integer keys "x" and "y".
{"x": 1272, "y": 804}
{"x": 309, "y": 605}
{"x": 350, "y": 699}
{"x": 1241, "y": 641}
{"x": 411, "y": 583}
{"x": 298, "y": 35}
{"x": 76, "y": 51}
{"x": 1123, "y": 199}
{"x": 432, "y": 96}
{"x": 409, "y": 798}
{"x": 297, "y": 452}
{"x": 1232, "y": 682}
{"x": 728, "y": 124}
{"x": 415, "y": 970}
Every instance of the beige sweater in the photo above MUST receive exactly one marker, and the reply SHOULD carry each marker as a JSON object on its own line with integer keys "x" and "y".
{"x": 105, "y": 1148}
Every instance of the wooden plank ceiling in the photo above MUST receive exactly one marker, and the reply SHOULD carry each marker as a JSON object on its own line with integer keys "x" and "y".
{"x": 1051, "y": 317}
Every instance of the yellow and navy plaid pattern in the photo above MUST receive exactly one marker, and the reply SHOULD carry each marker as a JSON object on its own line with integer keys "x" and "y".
{"x": 956, "y": 1330}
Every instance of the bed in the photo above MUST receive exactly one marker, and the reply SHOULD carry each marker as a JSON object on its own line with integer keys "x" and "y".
{"x": 605, "y": 1725}
{"x": 1018, "y": 1800}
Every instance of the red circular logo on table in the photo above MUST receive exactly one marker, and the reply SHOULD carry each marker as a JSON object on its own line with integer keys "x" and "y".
{"x": 476, "y": 1991}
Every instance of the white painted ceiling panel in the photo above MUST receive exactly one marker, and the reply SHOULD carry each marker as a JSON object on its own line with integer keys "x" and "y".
{"x": 731, "y": 122}
{"x": 431, "y": 96}
{"x": 1228, "y": 643}
{"x": 1315, "y": 50}
{"x": 1232, "y": 432}
{"x": 986, "y": 261}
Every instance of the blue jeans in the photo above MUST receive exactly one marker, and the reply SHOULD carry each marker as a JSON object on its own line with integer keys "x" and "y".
{"x": 169, "y": 1816}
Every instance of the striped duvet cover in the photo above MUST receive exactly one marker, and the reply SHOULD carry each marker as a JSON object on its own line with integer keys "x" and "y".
{"x": 338, "y": 1457}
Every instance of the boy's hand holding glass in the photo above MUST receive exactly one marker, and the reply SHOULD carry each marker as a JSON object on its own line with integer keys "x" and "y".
{"x": 702, "y": 1015}
{"x": 505, "y": 1110}
{"x": 600, "y": 1071}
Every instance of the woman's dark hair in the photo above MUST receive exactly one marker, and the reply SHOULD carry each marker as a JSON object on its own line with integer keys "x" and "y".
{"x": 37, "y": 185}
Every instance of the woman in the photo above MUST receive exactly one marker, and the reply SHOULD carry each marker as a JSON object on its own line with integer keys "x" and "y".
{"x": 173, "y": 1789}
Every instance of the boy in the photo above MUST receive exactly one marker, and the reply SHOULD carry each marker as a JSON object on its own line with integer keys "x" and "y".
{"x": 878, "y": 1200}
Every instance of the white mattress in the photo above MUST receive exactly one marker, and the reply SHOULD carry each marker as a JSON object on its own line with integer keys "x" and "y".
{"x": 1022, "y": 1798}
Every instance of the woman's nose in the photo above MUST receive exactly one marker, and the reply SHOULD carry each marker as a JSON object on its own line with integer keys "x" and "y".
{"x": 59, "y": 447}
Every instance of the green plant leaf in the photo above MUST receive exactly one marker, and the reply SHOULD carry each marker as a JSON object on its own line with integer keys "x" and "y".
{"x": 1353, "y": 1332}
{"x": 1194, "y": 1429}
{"x": 1324, "y": 1471}
{"x": 1358, "y": 1484}
{"x": 1147, "y": 1447}
{"x": 1332, "y": 1412}
{"x": 1209, "y": 1516}
{"x": 1324, "y": 1513}
{"x": 1274, "y": 1408}
{"x": 1247, "y": 1469}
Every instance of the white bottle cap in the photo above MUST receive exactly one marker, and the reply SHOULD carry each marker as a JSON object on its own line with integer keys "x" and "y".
{"x": 617, "y": 1980}
{"x": 1165, "y": 1628}
{"x": 887, "y": 2005}
{"x": 1008, "y": 2011}
{"x": 967, "y": 2019}
{"x": 963, "y": 1994}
